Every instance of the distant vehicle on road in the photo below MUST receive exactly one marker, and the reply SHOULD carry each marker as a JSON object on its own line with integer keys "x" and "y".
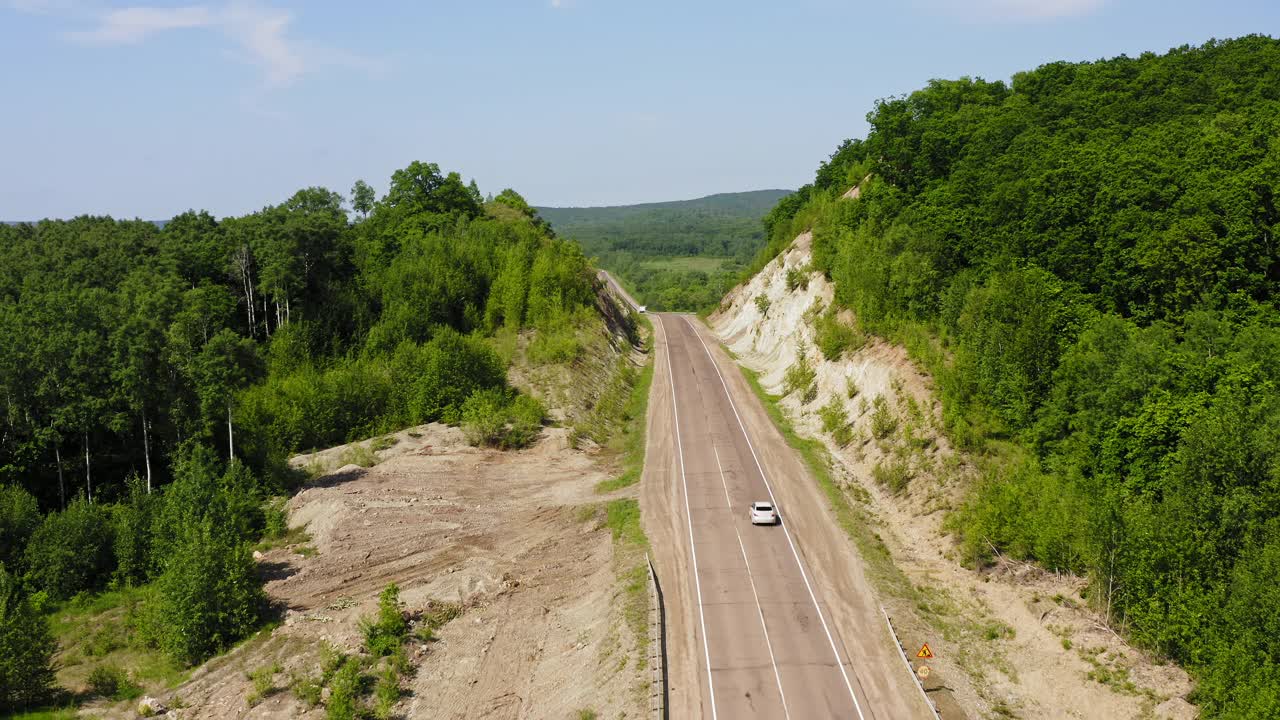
{"x": 640, "y": 309}
{"x": 763, "y": 513}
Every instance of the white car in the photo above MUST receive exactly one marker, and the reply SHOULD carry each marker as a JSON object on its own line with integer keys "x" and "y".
{"x": 641, "y": 309}
{"x": 763, "y": 513}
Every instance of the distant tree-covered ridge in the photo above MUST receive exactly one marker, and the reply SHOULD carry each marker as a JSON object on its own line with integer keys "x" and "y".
{"x": 1087, "y": 260}
{"x": 723, "y": 225}
{"x": 638, "y": 242}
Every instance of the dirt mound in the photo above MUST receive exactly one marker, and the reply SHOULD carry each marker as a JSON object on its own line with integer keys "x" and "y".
{"x": 1015, "y": 641}
{"x": 500, "y": 533}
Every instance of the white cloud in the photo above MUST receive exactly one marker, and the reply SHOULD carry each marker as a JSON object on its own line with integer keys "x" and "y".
{"x": 259, "y": 33}
{"x": 132, "y": 25}
{"x": 1019, "y": 10}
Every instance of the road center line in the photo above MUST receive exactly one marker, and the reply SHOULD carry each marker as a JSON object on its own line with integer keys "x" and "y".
{"x": 803, "y": 575}
{"x": 693, "y": 551}
{"x": 759, "y": 609}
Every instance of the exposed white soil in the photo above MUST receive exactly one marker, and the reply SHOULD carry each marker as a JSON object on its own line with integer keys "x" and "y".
{"x": 1012, "y": 641}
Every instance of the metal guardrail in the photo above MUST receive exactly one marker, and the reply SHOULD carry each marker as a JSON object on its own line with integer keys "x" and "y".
{"x": 659, "y": 707}
{"x": 905, "y": 661}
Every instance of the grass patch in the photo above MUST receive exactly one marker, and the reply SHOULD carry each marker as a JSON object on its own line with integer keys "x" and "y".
{"x": 383, "y": 442}
{"x": 622, "y": 517}
{"x": 358, "y": 454}
{"x": 264, "y": 685}
{"x": 699, "y": 263}
{"x": 96, "y": 634}
{"x": 633, "y": 422}
{"x": 67, "y": 713}
{"x": 435, "y": 616}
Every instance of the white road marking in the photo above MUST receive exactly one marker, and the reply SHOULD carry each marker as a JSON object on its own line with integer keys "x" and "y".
{"x": 697, "y": 584}
{"x": 805, "y": 576}
{"x": 769, "y": 643}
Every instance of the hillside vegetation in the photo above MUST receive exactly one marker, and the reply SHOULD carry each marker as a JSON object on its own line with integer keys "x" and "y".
{"x": 1086, "y": 260}
{"x": 649, "y": 247}
{"x": 154, "y": 381}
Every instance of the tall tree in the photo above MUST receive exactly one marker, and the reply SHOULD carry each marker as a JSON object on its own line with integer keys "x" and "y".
{"x": 26, "y": 648}
{"x": 362, "y": 198}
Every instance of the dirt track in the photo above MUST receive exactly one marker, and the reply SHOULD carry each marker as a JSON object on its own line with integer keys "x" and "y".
{"x": 764, "y": 631}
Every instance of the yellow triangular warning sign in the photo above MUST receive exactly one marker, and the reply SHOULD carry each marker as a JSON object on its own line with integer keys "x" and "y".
{"x": 925, "y": 652}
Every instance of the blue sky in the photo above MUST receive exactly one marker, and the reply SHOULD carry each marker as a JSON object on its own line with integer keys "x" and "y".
{"x": 147, "y": 110}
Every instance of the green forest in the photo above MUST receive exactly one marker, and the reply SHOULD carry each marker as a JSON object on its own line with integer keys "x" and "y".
{"x": 649, "y": 247}
{"x": 155, "y": 378}
{"x": 1086, "y": 260}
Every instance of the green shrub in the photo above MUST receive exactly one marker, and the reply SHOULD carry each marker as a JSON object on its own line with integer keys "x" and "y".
{"x": 275, "y": 515}
{"x": 331, "y": 659}
{"x": 834, "y": 338}
{"x": 883, "y": 421}
{"x": 762, "y": 304}
{"x": 26, "y": 648}
{"x": 894, "y": 474}
{"x": 554, "y": 345}
{"x": 386, "y": 693}
{"x": 385, "y": 633}
{"x": 306, "y": 688}
{"x": 208, "y": 596}
{"x": 71, "y": 551}
{"x": 263, "y": 680}
{"x": 132, "y": 521}
{"x": 400, "y": 663}
{"x": 835, "y": 420}
{"x": 801, "y": 377}
{"x": 798, "y": 278}
{"x": 202, "y": 489}
{"x": 527, "y": 415}
{"x": 484, "y": 417}
{"x": 19, "y": 518}
{"x": 110, "y": 681}
{"x": 494, "y": 418}
{"x": 345, "y": 691}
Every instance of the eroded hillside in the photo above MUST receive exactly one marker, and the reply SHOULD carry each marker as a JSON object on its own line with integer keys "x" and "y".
{"x": 1011, "y": 640}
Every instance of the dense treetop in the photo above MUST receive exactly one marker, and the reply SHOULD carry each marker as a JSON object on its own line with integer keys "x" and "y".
{"x": 283, "y": 329}
{"x": 1086, "y": 258}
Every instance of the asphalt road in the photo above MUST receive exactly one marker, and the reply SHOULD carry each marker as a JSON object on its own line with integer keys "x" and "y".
{"x": 761, "y": 637}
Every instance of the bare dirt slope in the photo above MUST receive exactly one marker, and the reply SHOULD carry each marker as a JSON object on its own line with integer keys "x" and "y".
{"x": 511, "y": 536}
{"x": 1013, "y": 641}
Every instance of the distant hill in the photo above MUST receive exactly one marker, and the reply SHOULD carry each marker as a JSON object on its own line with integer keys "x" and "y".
{"x": 12, "y": 223}
{"x": 722, "y": 225}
